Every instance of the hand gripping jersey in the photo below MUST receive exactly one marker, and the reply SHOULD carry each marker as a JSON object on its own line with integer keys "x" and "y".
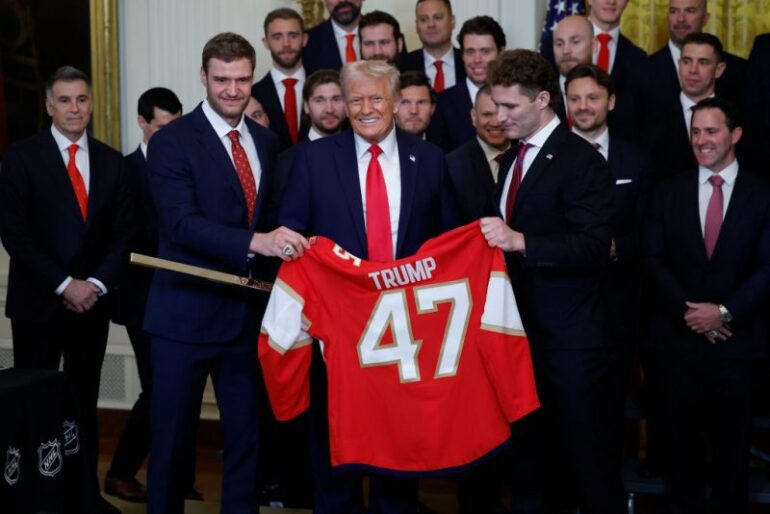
{"x": 426, "y": 357}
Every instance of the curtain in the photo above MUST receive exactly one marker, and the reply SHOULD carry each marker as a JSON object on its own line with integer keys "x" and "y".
{"x": 735, "y": 22}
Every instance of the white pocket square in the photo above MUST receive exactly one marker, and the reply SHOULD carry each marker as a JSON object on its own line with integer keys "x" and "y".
{"x": 621, "y": 181}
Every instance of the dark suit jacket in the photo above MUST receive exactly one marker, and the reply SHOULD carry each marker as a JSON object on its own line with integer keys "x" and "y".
{"x": 668, "y": 142}
{"x": 757, "y": 106}
{"x": 131, "y": 292}
{"x": 471, "y": 181}
{"x": 451, "y": 124}
{"x": 325, "y": 195}
{"x": 282, "y": 174}
{"x": 321, "y": 51}
{"x": 42, "y": 228}
{"x": 630, "y": 171}
{"x": 563, "y": 208}
{"x": 738, "y": 274}
{"x": 203, "y": 221}
{"x": 415, "y": 61}
{"x": 265, "y": 92}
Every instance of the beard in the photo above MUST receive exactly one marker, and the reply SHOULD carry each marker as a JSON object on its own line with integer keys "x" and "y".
{"x": 288, "y": 61}
{"x": 345, "y": 12}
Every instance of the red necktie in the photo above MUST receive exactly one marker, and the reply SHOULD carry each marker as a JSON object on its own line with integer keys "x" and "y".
{"x": 350, "y": 52}
{"x": 77, "y": 182}
{"x": 290, "y": 109}
{"x": 438, "y": 84}
{"x": 245, "y": 177}
{"x": 603, "y": 59}
{"x": 713, "y": 215}
{"x": 518, "y": 171}
{"x": 378, "y": 235}
{"x": 499, "y": 157}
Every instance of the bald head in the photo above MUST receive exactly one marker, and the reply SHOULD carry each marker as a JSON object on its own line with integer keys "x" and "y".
{"x": 573, "y": 42}
{"x": 686, "y": 17}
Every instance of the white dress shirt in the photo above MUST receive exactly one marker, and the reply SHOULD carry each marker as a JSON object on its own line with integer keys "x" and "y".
{"x": 490, "y": 152}
{"x": 473, "y": 89}
{"x": 448, "y": 65}
{"x": 278, "y": 77}
{"x": 612, "y": 44}
{"x": 391, "y": 171}
{"x": 729, "y": 174}
{"x": 313, "y": 134}
{"x": 342, "y": 41}
{"x": 537, "y": 141}
{"x": 687, "y": 104}
{"x": 602, "y": 143}
{"x": 143, "y": 148}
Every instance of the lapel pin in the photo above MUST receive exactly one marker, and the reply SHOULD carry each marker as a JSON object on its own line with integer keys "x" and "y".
{"x": 549, "y": 156}
{"x": 412, "y": 158}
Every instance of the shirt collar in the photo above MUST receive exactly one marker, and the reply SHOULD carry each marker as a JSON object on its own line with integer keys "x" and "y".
{"x": 490, "y": 152}
{"x": 279, "y": 76}
{"x": 313, "y": 134}
{"x": 603, "y": 140}
{"x": 387, "y": 145}
{"x": 339, "y": 32}
{"x": 729, "y": 174}
{"x": 220, "y": 126}
{"x": 687, "y": 102}
{"x": 473, "y": 89}
{"x": 615, "y": 33}
{"x": 143, "y": 148}
{"x": 63, "y": 142}
{"x": 447, "y": 58}
{"x": 539, "y": 138}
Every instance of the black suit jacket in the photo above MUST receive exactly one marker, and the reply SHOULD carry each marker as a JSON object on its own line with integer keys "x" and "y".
{"x": 471, "y": 181}
{"x": 563, "y": 208}
{"x": 451, "y": 124}
{"x": 415, "y": 61}
{"x": 282, "y": 173}
{"x": 265, "y": 92}
{"x": 321, "y": 51}
{"x": 757, "y": 106}
{"x": 131, "y": 292}
{"x": 668, "y": 142}
{"x": 738, "y": 274}
{"x": 42, "y": 228}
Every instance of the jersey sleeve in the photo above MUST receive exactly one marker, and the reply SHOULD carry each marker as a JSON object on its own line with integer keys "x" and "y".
{"x": 504, "y": 347}
{"x": 285, "y": 348}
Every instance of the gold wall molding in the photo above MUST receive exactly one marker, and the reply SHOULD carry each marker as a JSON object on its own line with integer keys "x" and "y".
{"x": 312, "y": 12}
{"x": 105, "y": 71}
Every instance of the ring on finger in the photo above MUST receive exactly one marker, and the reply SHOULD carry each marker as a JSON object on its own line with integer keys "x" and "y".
{"x": 712, "y": 333}
{"x": 288, "y": 250}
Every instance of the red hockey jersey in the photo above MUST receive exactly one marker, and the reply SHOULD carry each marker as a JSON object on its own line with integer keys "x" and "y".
{"x": 426, "y": 357}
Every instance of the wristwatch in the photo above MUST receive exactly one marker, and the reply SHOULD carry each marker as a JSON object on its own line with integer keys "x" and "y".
{"x": 725, "y": 314}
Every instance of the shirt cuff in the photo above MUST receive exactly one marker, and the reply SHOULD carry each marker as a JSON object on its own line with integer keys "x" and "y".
{"x": 98, "y": 283}
{"x": 63, "y": 286}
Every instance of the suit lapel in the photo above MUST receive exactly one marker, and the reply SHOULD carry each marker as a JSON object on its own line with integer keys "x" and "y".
{"x": 544, "y": 157}
{"x": 265, "y": 171}
{"x": 740, "y": 200}
{"x": 691, "y": 213}
{"x": 97, "y": 179}
{"x": 346, "y": 164}
{"x": 409, "y": 167}
{"x": 53, "y": 162}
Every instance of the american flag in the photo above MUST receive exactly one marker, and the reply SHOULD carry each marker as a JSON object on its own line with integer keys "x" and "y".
{"x": 558, "y": 9}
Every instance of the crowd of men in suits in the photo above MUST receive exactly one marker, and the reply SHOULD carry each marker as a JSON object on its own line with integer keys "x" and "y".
{"x": 625, "y": 190}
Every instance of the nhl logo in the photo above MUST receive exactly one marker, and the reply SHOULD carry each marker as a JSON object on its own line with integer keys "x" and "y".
{"x": 49, "y": 458}
{"x": 12, "y": 465}
{"x": 71, "y": 439}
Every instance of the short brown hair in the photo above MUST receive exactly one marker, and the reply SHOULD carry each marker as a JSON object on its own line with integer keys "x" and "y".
{"x": 284, "y": 13}
{"x": 319, "y": 78}
{"x": 527, "y": 69}
{"x": 228, "y": 47}
{"x": 591, "y": 71}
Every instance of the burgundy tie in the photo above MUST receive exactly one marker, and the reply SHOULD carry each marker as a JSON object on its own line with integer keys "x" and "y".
{"x": 378, "y": 234}
{"x": 518, "y": 171}
{"x": 713, "y": 215}
{"x": 350, "y": 52}
{"x": 78, "y": 184}
{"x": 603, "y": 59}
{"x": 290, "y": 109}
{"x": 243, "y": 169}
{"x": 438, "y": 84}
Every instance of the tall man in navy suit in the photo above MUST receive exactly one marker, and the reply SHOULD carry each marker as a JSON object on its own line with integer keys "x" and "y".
{"x": 280, "y": 90}
{"x": 590, "y": 99}
{"x": 379, "y": 194}
{"x": 707, "y": 253}
{"x": 210, "y": 175}
{"x": 335, "y": 41}
{"x": 156, "y": 108}
{"x": 437, "y": 58}
{"x": 555, "y": 194}
{"x": 481, "y": 40}
{"x": 66, "y": 221}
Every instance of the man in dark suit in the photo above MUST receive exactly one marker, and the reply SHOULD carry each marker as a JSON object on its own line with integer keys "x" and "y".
{"x": 417, "y": 103}
{"x": 156, "y": 108}
{"x": 481, "y": 39}
{"x": 707, "y": 253}
{"x": 67, "y": 223}
{"x": 279, "y": 90}
{"x": 700, "y": 66}
{"x": 658, "y": 82}
{"x": 474, "y": 166}
{"x": 757, "y": 105}
{"x": 379, "y": 194}
{"x": 210, "y": 174}
{"x": 555, "y": 193}
{"x": 381, "y": 37}
{"x": 335, "y": 41}
{"x": 590, "y": 99}
{"x": 437, "y": 58}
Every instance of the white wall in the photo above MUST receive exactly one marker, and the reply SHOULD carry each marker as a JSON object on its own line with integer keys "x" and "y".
{"x": 161, "y": 40}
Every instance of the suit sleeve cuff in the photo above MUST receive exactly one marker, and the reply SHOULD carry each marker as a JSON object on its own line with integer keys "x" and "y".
{"x": 98, "y": 283}
{"x": 63, "y": 286}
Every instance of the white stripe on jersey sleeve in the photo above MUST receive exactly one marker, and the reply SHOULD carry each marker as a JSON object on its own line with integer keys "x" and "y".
{"x": 283, "y": 322}
{"x": 501, "y": 314}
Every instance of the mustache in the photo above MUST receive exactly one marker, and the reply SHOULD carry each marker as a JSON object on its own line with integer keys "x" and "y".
{"x": 342, "y": 5}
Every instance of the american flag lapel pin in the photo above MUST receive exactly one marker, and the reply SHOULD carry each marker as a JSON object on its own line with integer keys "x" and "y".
{"x": 549, "y": 156}
{"x": 412, "y": 158}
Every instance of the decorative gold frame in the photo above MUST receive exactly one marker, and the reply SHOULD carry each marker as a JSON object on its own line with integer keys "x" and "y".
{"x": 105, "y": 71}
{"x": 312, "y": 12}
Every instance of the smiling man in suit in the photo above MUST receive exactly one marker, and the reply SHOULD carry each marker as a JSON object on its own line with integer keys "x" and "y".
{"x": 379, "y": 194}
{"x": 210, "y": 174}
{"x": 67, "y": 223}
{"x": 280, "y": 90}
{"x": 707, "y": 253}
{"x": 555, "y": 194}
